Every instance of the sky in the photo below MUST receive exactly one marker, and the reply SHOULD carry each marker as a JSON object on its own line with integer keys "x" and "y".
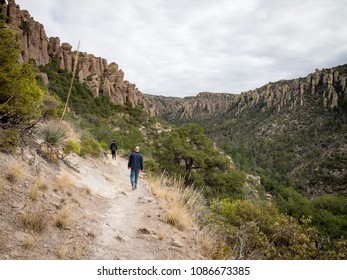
{"x": 183, "y": 47}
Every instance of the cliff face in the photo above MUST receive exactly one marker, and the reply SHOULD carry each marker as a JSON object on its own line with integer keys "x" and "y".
{"x": 205, "y": 103}
{"x": 107, "y": 79}
{"x": 101, "y": 77}
{"x": 326, "y": 86}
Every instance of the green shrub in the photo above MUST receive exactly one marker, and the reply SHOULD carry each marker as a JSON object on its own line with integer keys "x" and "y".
{"x": 150, "y": 165}
{"x": 262, "y": 232}
{"x": 90, "y": 147}
{"x": 9, "y": 139}
{"x": 104, "y": 146}
{"x": 336, "y": 204}
{"x": 54, "y": 133}
{"x": 72, "y": 146}
{"x": 20, "y": 96}
{"x": 50, "y": 107}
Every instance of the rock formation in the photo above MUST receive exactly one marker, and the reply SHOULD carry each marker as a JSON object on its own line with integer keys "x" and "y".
{"x": 328, "y": 86}
{"x": 101, "y": 77}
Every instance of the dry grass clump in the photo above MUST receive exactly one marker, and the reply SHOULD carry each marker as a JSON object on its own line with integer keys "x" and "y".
{"x": 37, "y": 188}
{"x": 64, "y": 182}
{"x": 161, "y": 236}
{"x": 30, "y": 242}
{"x": 69, "y": 251}
{"x": 14, "y": 173}
{"x": 179, "y": 216}
{"x": 34, "y": 193}
{"x": 184, "y": 203}
{"x": 157, "y": 187}
{"x": 41, "y": 184}
{"x": 35, "y": 219}
{"x": 207, "y": 242}
{"x": 184, "y": 207}
{"x": 64, "y": 218}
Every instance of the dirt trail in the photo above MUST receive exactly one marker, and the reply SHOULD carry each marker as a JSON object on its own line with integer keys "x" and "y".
{"x": 133, "y": 225}
{"x": 102, "y": 217}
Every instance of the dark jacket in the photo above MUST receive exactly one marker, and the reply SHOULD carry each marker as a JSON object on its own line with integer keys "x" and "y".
{"x": 113, "y": 147}
{"x": 135, "y": 161}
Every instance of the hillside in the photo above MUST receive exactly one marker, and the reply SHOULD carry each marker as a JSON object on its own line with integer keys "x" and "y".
{"x": 281, "y": 194}
{"x": 296, "y": 129}
{"x": 53, "y": 212}
{"x": 102, "y": 78}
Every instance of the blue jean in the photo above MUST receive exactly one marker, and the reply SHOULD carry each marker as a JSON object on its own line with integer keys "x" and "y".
{"x": 134, "y": 176}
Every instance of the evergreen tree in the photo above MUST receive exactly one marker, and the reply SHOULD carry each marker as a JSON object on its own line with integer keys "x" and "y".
{"x": 188, "y": 152}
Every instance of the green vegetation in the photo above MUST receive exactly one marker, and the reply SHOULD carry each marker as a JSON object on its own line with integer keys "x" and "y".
{"x": 187, "y": 152}
{"x": 54, "y": 133}
{"x": 97, "y": 118}
{"x": 299, "y": 152}
{"x": 261, "y": 232}
{"x": 72, "y": 146}
{"x": 9, "y": 139}
{"x": 20, "y": 95}
{"x": 295, "y": 223}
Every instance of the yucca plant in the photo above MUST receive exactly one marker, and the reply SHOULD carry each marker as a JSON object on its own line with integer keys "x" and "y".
{"x": 54, "y": 133}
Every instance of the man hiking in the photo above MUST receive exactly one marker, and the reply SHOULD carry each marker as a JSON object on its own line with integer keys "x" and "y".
{"x": 135, "y": 163}
{"x": 113, "y": 148}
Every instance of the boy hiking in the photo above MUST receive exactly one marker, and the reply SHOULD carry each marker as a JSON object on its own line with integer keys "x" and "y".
{"x": 113, "y": 148}
{"x": 135, "y": 164}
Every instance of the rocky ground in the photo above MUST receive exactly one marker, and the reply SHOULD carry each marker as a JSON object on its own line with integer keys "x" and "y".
{"x": 50, "y": 211}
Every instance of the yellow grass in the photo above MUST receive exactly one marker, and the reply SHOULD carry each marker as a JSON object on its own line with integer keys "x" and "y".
{"x": 35, "y": 219}
{"x": 34, "y": 193}
{"x": 64, "y": 182}
{"x": 161, "y": 236}
{"x": 207, "y": 242}
{"x": 64, "y": 218}
{"x": 41, "y": 184}
{"x": 36, "y": 190}
{"x": 183, "y": 202}
{"x": 30, "y": 242}
{"x": 183, "y": 206}
{"x": 14, "y": 173}
{"x": 179, "y": 216}
{"x": 70, "y": 251}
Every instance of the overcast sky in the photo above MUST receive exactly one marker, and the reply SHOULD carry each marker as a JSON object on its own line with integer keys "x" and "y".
{"x": 182, "y": 47}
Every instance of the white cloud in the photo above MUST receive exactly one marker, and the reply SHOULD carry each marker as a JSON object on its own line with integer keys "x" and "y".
{"x": 181, "y": 47}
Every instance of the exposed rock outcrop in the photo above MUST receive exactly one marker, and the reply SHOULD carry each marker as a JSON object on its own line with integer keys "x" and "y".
{"x": 328, "y": 86}
{"x": 101, "y": 77}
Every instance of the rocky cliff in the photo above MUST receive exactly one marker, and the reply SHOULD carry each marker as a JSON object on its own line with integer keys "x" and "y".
{"x": 107, "y": 79}
{"x": 205, "y": 103}
{"x": 101, "y": 77}
{"x": 327, "y": 86}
